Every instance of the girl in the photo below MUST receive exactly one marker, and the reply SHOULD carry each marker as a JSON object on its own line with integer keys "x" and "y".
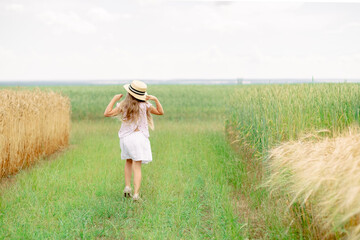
{"x": 135, "y": 113}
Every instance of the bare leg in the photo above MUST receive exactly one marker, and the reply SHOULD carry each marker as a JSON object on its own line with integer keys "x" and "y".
{"x": 128, "y": 168}
{"x": 137, "y": 176}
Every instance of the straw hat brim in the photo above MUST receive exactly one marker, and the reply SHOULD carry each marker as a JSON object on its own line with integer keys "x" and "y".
{"x": 137, "y": 96}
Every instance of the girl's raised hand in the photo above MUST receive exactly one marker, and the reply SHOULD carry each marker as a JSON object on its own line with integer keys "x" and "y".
{"x": 117, "y": 97}
{"x": 150, "y": 97}
{"x": 158, "y": 110}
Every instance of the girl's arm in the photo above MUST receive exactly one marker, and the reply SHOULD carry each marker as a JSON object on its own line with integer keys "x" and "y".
{"x": 109, "y": 111}
{"x": 158, "y": 110}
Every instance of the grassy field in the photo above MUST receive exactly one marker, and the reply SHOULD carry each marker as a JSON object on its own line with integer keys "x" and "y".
{"x": 206, "y": 179}
{"x": 189, "y": 191}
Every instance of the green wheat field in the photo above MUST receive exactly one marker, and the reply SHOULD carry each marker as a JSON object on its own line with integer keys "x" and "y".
{"x": 205, "y": 181}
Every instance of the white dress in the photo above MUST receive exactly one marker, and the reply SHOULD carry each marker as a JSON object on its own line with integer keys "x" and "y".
{"x": 135, "y": 145}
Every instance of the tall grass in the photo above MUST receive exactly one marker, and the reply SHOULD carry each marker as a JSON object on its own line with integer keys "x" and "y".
{"x": 32, "y": 124}
{"x": 323, "y": 177}
{"x": 262, "y": 117}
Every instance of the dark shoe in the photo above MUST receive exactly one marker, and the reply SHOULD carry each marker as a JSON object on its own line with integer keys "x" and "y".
{"x": 127, "y": 191}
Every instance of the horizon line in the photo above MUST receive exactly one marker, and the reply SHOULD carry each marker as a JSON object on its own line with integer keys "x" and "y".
{"x": 177, "y": 79}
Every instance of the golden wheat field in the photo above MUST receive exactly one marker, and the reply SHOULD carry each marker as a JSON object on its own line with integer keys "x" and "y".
{"x": 32, "y": 124}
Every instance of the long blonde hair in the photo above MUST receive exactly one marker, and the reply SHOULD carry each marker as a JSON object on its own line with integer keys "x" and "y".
{"x": 130, "y": 111}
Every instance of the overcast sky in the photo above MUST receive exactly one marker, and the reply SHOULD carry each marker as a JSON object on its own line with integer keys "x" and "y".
{"x": 112, "y": 39}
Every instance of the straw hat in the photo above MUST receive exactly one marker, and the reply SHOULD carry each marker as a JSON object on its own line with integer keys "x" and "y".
{"x": 137, "y": 89}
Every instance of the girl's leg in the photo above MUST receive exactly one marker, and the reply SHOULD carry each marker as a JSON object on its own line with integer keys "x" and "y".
{"x": 137, "y": 176}
{"x": 128, "y": 167}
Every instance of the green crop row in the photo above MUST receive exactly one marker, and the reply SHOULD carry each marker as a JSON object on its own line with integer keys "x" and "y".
{"x": 263, "y": 116}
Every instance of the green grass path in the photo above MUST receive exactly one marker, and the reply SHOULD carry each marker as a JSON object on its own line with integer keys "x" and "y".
{"x": 185, "y": 190}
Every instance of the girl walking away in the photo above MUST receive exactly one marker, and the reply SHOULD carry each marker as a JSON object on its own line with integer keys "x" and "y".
{"x": 135, "y": 113}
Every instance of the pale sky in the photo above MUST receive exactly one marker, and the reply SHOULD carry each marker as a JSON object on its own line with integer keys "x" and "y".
{"x": 133, "y": 39}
